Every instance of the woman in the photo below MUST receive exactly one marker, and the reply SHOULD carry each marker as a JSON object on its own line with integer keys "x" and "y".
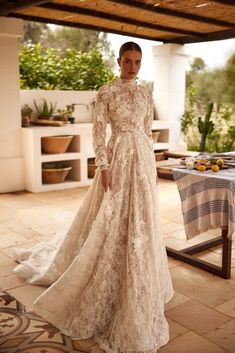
{"x": 108, "y": 275}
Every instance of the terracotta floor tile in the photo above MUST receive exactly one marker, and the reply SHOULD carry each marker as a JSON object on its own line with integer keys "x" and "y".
{"x": 5, "y": 261}
{"x": 190, "y": 342}
{"x": 9, "y": 251}
{"x": 27, "y": 294}
{"x": 176, "y": 329}
{"x": 9, "y": 302}
{"x": 197, "y": 317}
{"x": 201, "y": 238}
{"x": 173, "y": 262}
{"x": 228, "y": 308}
{"x": 180, "y": 234}
{"x": 232, "y": 279}
{"x": 212, "y": 257}
{"x": 164, "y": 220}
{"x": 11, "y": 239}
{"x": 175, "y": 243}
{"x": 42, "y": 216}
{"x": 175, "y": 216}
{"x": 11, "y": 281}
{"x": 224, "y": 336}
{"x": 177, "y": 300}
{"x": 17, "y": 202}
{"x": 201, "y": 285}
{"x": 4, "y": 228}
{"x": 218, "y": 250}
{"x": 172, "y": 227}
{"x": 16, "y": 225}
{"x": 5, "y": 212}
{"x": 6, "y": 270}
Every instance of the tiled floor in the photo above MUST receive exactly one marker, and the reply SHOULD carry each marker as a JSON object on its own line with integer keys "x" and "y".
{"x": 201, "y": 315}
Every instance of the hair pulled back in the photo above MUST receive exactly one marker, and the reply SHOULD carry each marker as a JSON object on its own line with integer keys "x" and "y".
{"x": 129, "y": 46}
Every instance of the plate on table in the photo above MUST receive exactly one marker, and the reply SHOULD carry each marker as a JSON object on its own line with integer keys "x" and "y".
{"x": 206, "y": 162}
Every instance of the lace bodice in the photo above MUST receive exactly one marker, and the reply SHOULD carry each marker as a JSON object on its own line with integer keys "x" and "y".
{"x": 128, "y": 107}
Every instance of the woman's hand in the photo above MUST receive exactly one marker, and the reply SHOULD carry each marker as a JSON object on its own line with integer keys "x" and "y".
{"x": 106, "y": 179}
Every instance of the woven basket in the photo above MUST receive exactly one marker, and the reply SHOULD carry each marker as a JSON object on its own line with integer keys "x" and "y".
{"x": 54, "y": 176}
{"x": 159, "y": 156}
{"x": 55, "y": 144}
{"x": 91, "y": 170}
{"x": 155, "y": 136}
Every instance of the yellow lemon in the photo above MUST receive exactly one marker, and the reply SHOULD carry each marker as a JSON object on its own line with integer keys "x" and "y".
{"x": 220, "y": 162}
{"x": 201, "y": 168}
{"x": 215, "y": 168}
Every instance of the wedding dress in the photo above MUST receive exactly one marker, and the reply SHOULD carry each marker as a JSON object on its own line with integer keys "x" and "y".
{"x": 108, "y": 275}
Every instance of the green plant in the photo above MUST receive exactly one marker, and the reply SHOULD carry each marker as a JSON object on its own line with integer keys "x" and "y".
{"x": 205, "y": 127}
{"x": 42, "y": 68}
{"x": 66, "y": 112}
{"x": 188, "y": 118}
{"x": 45, "y": 110}
{"x": 26, "y": 110}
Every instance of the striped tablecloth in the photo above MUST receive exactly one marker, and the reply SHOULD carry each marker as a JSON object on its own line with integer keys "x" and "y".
{"x": 207, "y": 198}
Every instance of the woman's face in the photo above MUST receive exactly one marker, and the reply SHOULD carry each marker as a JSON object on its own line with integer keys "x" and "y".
{"x": 129, "y": 63}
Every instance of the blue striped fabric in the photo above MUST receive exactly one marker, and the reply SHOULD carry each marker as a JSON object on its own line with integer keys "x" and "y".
{"x": 208, "y": 200}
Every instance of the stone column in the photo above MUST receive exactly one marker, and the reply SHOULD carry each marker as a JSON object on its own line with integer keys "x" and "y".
{"x": 11, "y": 161}
{"x": 169, "y": 88}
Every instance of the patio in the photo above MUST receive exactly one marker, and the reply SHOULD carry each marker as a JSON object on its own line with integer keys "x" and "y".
{"x": 201, "y": 315}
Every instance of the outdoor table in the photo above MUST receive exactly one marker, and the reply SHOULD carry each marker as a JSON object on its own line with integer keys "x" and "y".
{"x": 208, "y": 202}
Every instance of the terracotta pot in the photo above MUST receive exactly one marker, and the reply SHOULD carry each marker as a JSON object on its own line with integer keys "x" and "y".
{"x": 155, "y": 136}
{"x": 54, "y": 176}
{"x": 91, "y": 170}
{"x": 55, "y": 144}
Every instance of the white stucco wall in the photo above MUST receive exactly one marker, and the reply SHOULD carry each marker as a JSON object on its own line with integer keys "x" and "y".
{"x": 169, "y": 87}
{"x": 11, "y": 161}
{"x": 82, "y": 113}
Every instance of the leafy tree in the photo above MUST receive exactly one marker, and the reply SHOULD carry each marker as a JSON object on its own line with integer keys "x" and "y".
{"x": 62, "y": 38}
{"x": 216, "y": 86}
{"x": 221, "y": 125}
{"x": 230, "y": 77}
{"x": 42, "y": 68}
{"x": 33, "y": 32}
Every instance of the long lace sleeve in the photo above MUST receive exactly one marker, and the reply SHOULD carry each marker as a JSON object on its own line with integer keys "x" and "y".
{"x": 100, "y": 119}
{"x": 148, "y": 120}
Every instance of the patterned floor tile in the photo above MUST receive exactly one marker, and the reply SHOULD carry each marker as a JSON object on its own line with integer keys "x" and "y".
{"x": 26, "y": 332}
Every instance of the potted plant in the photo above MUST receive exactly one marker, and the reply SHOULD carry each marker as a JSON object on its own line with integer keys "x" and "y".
{"x": 65, "y": 114}
{"x": 26, "y": 112}
{"x": 45, "y": 110}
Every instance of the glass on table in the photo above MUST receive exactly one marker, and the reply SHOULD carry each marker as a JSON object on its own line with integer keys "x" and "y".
{"x": 189, "y": 163}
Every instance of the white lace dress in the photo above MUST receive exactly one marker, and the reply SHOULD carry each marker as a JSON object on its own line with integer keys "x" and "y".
{"x": 108, "y": 275}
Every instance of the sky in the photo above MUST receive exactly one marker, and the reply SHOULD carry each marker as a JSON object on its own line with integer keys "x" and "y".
{"x": 215, "y": 54}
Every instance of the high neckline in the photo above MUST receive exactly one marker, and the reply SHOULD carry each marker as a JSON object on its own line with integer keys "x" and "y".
{"x": 126, "y": 81}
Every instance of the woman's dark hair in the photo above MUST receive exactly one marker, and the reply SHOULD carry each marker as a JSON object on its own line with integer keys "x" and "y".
{"x": 129, "y": 46}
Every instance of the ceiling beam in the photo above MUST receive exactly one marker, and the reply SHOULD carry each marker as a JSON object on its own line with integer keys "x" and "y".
{"x": 7, "y": 6}
{"x": 220, "y": 35}
{"x": 169, "y": 12}
{"x": 226, "y": 2}
{"x": 119, "y": 19}
{"x": 84, "y": 26}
